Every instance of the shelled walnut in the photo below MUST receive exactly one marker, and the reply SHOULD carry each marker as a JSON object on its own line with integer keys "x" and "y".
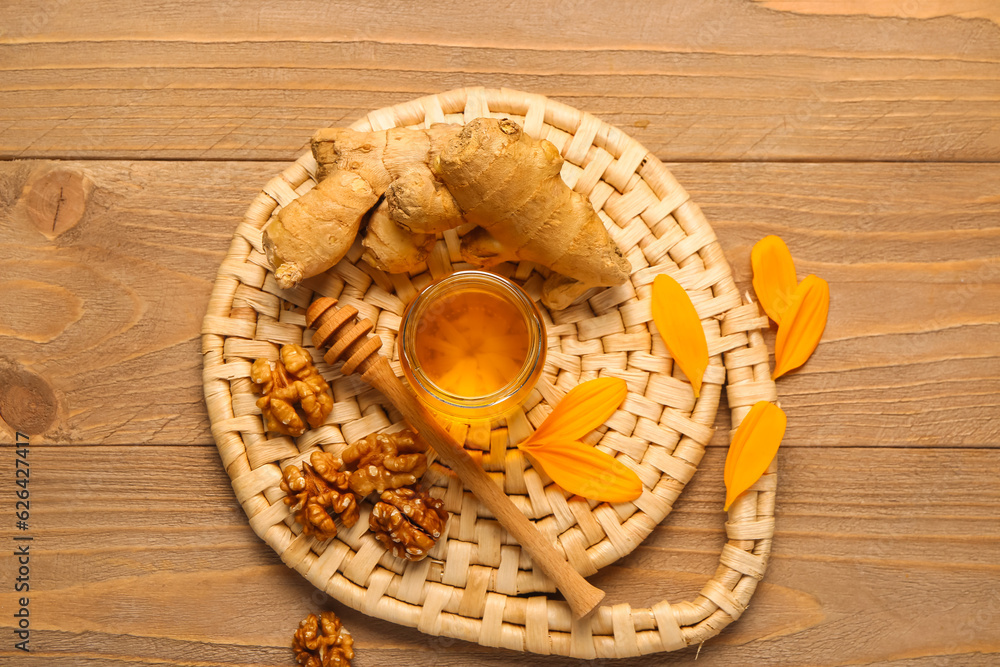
{"x": 408, "y": 522}
{"x": 323, "y": 642}
{"x": 292, "y": 381}
{"x": 384, "y": 461}
{"x": 317, "y": 493}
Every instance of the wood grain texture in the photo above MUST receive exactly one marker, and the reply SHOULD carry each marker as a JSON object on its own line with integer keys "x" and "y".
{"x": 840, "y": 125}
{"x": 927, "y": 9}
{"x": 717, "y": 80}
{"x": 864, "y": 570}
{"x": 108, "y": 313}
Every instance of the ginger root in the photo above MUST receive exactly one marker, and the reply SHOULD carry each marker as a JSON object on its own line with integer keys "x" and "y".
{"x": 390, "y": 247}
{"x": 395, "y": 163}
{"x": 315, "y": 231}
{"x": 488, "y": 173}
{"x": 509, "y": 185}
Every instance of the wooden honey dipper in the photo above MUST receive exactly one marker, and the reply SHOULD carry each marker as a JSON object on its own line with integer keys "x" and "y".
{"x": 349, "y": 340}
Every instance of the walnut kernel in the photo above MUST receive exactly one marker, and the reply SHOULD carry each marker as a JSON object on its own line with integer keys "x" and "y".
{"x": 323, "y": 642}
{"x": 317, "y": 493}
{"x": 408, "y": 522}
{"x": 292, "y": 381}
{"x": 385, "y": 461}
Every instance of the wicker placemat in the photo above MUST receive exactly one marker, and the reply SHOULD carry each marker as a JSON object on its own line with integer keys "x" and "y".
{"x": 477, "y": 585}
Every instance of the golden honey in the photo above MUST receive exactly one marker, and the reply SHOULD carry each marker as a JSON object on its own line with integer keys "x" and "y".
{"x": 472, "y": 345}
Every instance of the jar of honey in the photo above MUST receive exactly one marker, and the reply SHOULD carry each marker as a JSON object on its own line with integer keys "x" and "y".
{"x": 472, "y": 345}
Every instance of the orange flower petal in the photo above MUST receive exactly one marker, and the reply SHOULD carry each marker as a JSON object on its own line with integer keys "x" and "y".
{"x": 680, "y": 327}
{"x": 802, "y": 325}
{"x": 584, "y": 408}
{"x": 753, "y": 448}
{"x": 746, "y": 427}
{"x": 586, "y": 471}
{"x": 773, "y": 276}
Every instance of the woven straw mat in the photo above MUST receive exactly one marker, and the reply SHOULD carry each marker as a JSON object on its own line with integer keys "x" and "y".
{"x": 477, "y": 585}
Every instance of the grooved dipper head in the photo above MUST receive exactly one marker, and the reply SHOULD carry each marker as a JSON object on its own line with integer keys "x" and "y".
{"x": 340, "y": 330}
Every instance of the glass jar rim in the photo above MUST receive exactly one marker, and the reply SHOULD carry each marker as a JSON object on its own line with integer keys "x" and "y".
{"x": 494, "y": 284}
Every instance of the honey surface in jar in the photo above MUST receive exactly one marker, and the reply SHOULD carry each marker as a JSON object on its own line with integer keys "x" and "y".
{"x": 471, "y": 343}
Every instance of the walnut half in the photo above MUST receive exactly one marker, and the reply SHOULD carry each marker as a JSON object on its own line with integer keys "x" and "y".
{"x": 384, "y": 461}
{"x": 292, "y": 381}
{"x": 323, "y": 642}
{"x": 317, "y": 493}
{"x": 408, "y": 522}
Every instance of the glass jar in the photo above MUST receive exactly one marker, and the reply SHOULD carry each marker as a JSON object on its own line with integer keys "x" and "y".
{"x": 472, "y": 345}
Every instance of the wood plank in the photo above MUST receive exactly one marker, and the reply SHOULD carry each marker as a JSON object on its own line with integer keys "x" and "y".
{"x": 928, "y": 9}
{"x": 106, "y": 315}
{"x": 911, "y": 353}
{"x": 719, "y": 80}
{"x": 142, "y": 556}
{"x": 109, "y": 312}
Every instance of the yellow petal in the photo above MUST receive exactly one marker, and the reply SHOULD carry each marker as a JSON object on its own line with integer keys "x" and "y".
{"x": 680, "y": 327}
{"x": 746, "y": 427}
{"x": 586, "y": 471}
{"x": 584, "y": 408}
{"x": 773, "y": 276}
{"x": 802, "y": 325}
{"x": 753, "y": 448}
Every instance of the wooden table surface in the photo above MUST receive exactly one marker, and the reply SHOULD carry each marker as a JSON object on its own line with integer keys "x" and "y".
{"x": 866, "y": 134}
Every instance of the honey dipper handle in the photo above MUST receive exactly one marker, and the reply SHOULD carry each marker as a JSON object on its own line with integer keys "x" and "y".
{"x": 581, "y": 596}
